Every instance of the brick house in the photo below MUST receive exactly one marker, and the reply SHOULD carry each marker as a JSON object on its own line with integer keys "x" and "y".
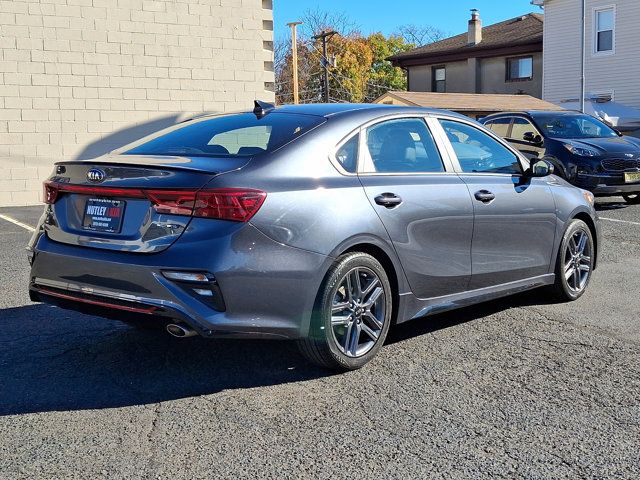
{"x": 80, "y": 78}
{"x": 504, "y": 58}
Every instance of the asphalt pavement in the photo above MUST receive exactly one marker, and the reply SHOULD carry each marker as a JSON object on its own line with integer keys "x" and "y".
{"x": 517, "y": 388}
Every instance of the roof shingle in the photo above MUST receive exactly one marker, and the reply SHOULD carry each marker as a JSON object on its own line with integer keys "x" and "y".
{"x": 523, "y": 30}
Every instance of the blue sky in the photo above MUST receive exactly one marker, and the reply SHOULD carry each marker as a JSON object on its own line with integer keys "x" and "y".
{"x": 451, "y": 16}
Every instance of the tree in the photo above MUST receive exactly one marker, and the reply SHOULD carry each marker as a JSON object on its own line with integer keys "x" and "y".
{"x": 419, "y": 35}
{"x": 361, "y": 72}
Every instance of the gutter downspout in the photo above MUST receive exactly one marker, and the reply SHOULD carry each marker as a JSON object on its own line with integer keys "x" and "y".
{"x": 584, "y": 57}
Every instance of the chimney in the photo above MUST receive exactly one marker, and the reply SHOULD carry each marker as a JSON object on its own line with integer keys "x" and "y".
{"x": 475, "y": 28}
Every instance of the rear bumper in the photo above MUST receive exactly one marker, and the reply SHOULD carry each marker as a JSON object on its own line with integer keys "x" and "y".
{"x": 268, "y": 288}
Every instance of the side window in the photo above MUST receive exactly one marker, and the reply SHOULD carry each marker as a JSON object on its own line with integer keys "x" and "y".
{"x": 401, "y": 146}
{"x": 520, "y": 127}
{"x": 477, "y": 152}
{"x": 347, "y": 154}
{"x": 499, "y": 126}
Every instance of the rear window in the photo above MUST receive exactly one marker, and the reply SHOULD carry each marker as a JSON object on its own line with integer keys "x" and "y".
{"x": 241, "y": 135}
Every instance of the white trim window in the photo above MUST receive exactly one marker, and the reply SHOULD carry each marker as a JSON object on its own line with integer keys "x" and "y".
{"x": 604, "y": 20}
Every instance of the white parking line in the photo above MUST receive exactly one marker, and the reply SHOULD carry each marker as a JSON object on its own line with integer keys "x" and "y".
{"x": 619, "y": 221}
{"x": 18, "y": 223}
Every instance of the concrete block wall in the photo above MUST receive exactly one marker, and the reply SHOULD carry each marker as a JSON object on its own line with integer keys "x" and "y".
{"x": 79, "y": 78}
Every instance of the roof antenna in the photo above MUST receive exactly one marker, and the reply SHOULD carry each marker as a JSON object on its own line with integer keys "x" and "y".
{"x": 261, "y": 108}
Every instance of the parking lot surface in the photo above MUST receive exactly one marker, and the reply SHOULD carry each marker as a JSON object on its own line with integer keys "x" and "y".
{"x": 518, "y": 388}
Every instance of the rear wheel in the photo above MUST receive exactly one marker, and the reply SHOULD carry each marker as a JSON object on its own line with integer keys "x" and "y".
{"x": 352, "y": 315}
{"x": 575, "y": 262}
{"x": 632, "y": 198}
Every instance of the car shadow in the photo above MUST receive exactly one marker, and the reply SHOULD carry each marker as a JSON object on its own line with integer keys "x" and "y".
{"x": 56, "y": 360}
{"x": 610, "y": 205}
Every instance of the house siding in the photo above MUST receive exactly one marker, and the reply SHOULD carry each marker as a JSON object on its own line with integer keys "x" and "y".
{"x": 83, "y": 78}
{"x": 618, "y": 72}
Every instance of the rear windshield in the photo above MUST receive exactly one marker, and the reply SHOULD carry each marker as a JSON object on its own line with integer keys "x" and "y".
{"x": 241, "y": 135}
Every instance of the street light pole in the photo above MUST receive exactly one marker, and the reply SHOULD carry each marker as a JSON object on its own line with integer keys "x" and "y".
{"x": 294, "y": 60}
{"x": 325, "y": 60}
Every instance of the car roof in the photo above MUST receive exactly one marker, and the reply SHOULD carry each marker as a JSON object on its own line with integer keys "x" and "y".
{"x": 345, "y": 109}
{"x": 533, "y": 113}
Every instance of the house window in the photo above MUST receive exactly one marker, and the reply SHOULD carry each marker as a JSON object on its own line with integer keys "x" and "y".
{"x": 439, "y": 79}
{"x": 604, "y": 34}
{"x": 520, "y": 68}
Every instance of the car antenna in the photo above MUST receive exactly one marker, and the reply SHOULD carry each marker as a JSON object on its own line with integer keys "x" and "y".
{"x": 261, "y": 108}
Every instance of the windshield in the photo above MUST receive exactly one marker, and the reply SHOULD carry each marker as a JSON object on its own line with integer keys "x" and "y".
{"x": 573, "y": 126}
{"x": 240, "y": 135}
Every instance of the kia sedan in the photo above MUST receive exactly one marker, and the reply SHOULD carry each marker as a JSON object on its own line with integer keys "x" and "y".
{"x": 327, "y": 224}
{"x": 582, "y": 149}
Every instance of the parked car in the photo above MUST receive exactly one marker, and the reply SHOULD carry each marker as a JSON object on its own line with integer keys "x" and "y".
{"x": 583, "y": 150}
{"x": 322, "y": 223}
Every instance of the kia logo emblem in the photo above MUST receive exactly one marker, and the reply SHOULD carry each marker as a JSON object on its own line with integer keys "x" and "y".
{"x": 96, "y": 175}
{"x": 629, "y": 155}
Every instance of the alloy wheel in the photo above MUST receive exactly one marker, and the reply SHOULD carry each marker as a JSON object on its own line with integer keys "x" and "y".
{"x": 577, "y": 261}
{"x": 358, "y": 312}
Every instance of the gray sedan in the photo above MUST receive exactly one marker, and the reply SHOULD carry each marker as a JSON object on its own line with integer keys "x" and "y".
{"x": 327, "y": 224}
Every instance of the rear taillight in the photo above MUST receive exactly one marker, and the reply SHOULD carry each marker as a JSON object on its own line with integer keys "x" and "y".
{"x": 235, "y": 204}
{"x": 50, "y": 193}
{"x": 228, "y": 203}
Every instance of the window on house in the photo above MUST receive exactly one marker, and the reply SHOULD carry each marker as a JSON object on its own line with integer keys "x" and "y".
{"x": 604, "y": 23}
{"x": 519, "y": 68}
{"x": 439, "y": 79}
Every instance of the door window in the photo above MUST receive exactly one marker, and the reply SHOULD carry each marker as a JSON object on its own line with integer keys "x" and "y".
{"x": 520, "y": 127}
{"x": 499, "y": 126}
{"x": 401, "y": 146}
{"x": 477, "y": 152}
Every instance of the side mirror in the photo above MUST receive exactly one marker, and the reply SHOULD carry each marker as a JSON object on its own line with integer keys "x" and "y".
{"x": 532, "y": 138}
{"x": 541, "y": 168}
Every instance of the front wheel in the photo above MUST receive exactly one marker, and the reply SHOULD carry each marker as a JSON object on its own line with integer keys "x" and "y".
{"x": 575, "y": 262}
{"x": 632, "y": 198}
{"x": 352, "y": 315}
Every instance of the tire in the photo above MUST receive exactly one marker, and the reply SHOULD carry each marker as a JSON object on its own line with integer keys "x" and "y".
{"x": 574, "y": 265}
{"x": 632, "y": 198}
{"x": 341, "y": 314}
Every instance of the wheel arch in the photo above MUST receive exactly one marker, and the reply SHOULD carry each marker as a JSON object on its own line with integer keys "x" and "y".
{"x": 586, "y": 218}
{"x": 380, "y": 255}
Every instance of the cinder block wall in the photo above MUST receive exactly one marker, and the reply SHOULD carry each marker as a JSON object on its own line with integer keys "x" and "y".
{"x": 79, "y": 78}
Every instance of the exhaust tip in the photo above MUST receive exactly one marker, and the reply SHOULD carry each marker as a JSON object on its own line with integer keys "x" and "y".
{"x": 180, "y": 330}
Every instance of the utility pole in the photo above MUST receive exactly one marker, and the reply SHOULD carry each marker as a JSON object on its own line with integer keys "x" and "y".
{"x": 325, "y": 60}
{"x": 294, "y": 60}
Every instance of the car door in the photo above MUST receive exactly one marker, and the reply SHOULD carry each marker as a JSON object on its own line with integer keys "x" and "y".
{"x": 514, "y": 215}
{"x": 520, "y": 136}
{"x": 423, "y": 204}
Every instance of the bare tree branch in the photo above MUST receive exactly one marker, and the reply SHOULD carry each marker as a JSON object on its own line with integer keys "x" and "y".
{"x": 420, "y": 35}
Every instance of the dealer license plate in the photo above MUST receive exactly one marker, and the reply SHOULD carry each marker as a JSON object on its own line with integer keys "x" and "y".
{"x": 103, "y": 215}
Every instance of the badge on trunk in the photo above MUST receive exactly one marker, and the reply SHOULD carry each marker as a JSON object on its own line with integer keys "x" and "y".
{"x": 96, "y": 175}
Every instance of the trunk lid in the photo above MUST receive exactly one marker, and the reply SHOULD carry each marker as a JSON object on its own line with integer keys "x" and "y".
{"x": 107, "y": 202}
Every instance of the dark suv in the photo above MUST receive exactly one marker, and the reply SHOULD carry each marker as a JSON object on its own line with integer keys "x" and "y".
{"x": 582, "y": 149}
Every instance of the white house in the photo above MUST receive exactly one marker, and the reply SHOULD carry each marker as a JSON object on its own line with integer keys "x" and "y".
{"x": 609, "y": 44}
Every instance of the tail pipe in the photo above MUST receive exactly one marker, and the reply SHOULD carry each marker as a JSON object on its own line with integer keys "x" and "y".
{"x": 180, "y": 330}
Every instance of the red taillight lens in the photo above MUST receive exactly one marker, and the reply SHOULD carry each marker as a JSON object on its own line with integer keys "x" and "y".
{"x": 173, "y": 202}
{"x": 234, "y": 204}
{"x": 50, "y": 193}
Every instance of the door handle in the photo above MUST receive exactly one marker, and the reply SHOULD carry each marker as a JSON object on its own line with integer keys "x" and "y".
{"x": 388, "y": 200}
{"x": 485, "y": 196}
